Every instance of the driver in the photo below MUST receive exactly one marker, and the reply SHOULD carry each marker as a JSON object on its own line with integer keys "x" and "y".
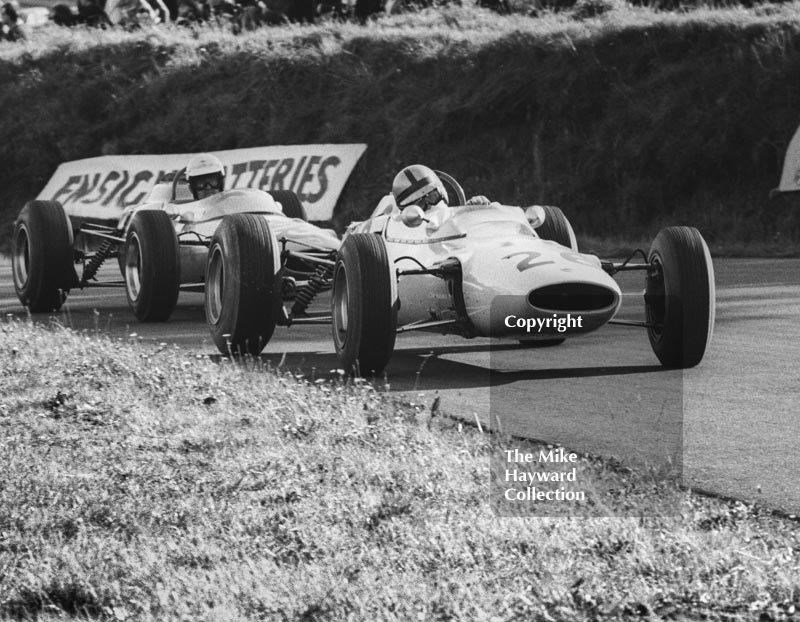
{"x": 419, "y": 185}
{"x": 206, "y": 175}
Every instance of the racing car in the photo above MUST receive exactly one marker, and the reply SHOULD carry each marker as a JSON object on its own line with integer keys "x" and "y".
{"x": 485, "y": 270}
{"x": 166, "y": 245}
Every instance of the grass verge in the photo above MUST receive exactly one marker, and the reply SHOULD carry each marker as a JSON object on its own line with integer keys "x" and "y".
{"x": 139, "y": 483}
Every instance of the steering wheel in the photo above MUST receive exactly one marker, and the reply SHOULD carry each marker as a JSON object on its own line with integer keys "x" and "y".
{"x": 451, "y": 184}
{"x": 175, "y": 181}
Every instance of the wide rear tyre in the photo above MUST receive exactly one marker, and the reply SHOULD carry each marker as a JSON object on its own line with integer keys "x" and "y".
{"x": 680, "y": 297}
{"x": 363, "y": 304}
{"x": 151, "y": 266}
{"x": 292, "y": 207}
{"x": 556, "y": 227}
{"x": 41, "y": 256}
{"x": 455, "y": 193}
{"x": 243, "y": 296}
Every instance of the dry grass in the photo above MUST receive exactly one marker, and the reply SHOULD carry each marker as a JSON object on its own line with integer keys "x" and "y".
{"x": 139, "y": 484}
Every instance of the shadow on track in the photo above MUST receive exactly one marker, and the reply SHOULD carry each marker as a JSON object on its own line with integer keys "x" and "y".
{"x": 423, "y": 369}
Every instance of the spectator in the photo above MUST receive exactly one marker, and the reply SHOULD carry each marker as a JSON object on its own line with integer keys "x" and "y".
{"x": 62, "y": 15}
{"x": 248, "y": 15}
{"x": 189, "y": 12}
{"x": 91, "y": 13}
{"x": 223, "y": 12}
{"x": 331, "y": 8}
{"x": 499, "y": 6}
{"x": 130, "y": 13}
{"x": 12, "y": 24}
{"x": 272, "y": 17}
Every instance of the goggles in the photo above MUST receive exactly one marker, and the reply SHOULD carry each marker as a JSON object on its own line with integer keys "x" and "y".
{"x": 432, "y": 198}
{"x": 211, "y": 183}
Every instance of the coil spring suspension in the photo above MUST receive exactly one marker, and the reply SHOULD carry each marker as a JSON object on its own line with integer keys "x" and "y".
{"x": 96, "y": 260}
{"x": 306, "y": 294}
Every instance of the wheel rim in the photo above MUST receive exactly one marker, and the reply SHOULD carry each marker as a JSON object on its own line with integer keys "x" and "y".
{"x": 214, "y": 288}
{"x": 340, "y": 302}
{"x": 133, "y": 266}
{"x": 656, "y": 299}
{"x": 22, "y": 256}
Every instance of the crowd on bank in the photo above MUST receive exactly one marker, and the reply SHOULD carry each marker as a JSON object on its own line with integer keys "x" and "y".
{"x": 237, "y": 14}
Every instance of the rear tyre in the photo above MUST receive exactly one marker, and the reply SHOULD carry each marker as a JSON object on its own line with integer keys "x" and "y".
{"x": 292, "y": 207}
{"x": 363, "y": 304}
{"x": 679, "y": 297}
{"x": 556, "y": 227}
{"x": 151, "y": 266}
{"x": 41, "y": 256}
{"x": 455, "y": 193}
{"x": 243, "y": 296}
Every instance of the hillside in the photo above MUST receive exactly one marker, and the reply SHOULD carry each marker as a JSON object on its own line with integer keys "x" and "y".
{"x": 627, "y": 121}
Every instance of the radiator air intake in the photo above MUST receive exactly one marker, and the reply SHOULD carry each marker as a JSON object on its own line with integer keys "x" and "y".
{"x": 572, "y": 297}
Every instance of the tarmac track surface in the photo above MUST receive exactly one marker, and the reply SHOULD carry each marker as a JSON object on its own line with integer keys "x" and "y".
{"x": 735, "y": 416}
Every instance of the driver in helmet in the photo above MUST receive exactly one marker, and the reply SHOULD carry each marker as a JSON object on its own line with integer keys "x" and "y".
{"x": 419, "y": 185}
{"x": 206, "y": 175}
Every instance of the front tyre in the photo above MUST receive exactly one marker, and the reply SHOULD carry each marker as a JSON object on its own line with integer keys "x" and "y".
{"x": 151, "y": 266}
{"x": 680, "y": 297}
{"x": 363, "y": 304}
{"x": 243, "y": 298}
{"x": 41, "y": 256}
{"x": 556, "y": 227}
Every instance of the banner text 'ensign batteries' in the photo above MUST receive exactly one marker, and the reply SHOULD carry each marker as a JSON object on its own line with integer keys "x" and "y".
{"x": 103, "y": 187}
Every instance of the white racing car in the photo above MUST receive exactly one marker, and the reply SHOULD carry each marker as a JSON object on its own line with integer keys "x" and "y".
{"x": 497, "y": 271}
{"x": 173, "y": 242}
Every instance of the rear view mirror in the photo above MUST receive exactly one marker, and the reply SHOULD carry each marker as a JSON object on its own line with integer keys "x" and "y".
{"x": 535, "y": 215}
{"x": 413, "y": 216}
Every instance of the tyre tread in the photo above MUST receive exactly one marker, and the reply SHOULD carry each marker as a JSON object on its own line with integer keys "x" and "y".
{"x": 556, "y": 227}
{"x": 367, "y": 262}
{"x": 251, "y": 305}
{"x": 51, "y": 273}
{"x": 292, "y": 206}
{"x": 160, "y": 278}
{"x": 689, "y": 290}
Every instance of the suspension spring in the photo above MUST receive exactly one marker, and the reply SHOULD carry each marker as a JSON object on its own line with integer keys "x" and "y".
{"x": 308, "y": 292}
{"x": 96, "y": 260}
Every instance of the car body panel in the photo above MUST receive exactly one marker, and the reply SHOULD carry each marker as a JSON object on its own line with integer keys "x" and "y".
{"x": 196, "y": 221}
{"x": 502, "y": 261}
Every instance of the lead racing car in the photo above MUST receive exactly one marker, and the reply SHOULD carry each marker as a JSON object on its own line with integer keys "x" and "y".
{"x": 488, "y": 270}
{"x": 173, "y": 242}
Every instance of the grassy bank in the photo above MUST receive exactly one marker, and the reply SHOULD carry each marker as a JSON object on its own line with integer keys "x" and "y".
{"x": 142, "y": 484}
{"x": 629, "y": 121}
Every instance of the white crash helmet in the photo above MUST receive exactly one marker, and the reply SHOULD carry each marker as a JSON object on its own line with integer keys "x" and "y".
{"x": 414, "y": 183}
{"x": 203, "y": 165}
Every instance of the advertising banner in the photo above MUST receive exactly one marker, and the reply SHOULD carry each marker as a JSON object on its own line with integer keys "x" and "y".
{"x": 790, "y": 178}
{"x": 102, "y": 187}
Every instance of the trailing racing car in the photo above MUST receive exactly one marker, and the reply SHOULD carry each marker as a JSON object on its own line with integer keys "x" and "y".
{"x": 167, "y": 244}
{"x": 489, "y": 270}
